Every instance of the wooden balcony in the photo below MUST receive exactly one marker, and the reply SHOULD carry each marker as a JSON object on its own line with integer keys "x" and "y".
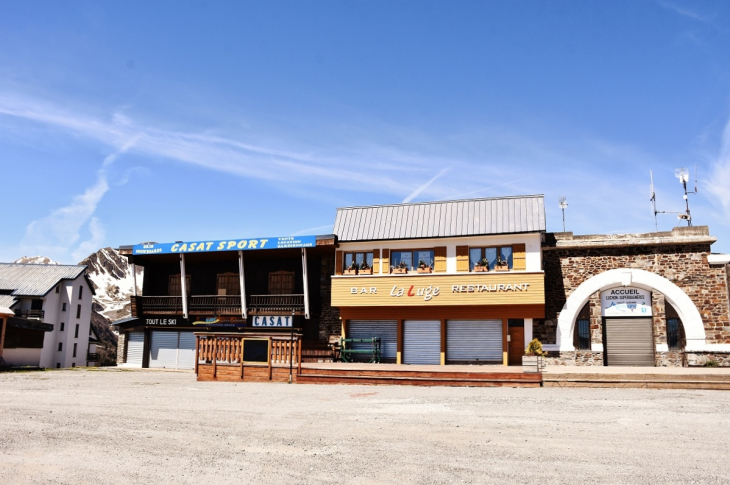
{"x": 215, "y": 305}
{"x": 30, "y": 314}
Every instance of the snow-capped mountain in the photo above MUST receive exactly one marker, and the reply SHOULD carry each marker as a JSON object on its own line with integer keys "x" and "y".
{"x": 113, "y": 282}
{"x": 35, "y": 260}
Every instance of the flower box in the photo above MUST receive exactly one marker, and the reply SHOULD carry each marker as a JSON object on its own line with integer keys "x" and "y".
{"x": 425, "y": 270}
{"x": 366, "y": 271}
{"x": 501, "y": 268}
{"x": 350, "y": 272}
{"x": 481, "y": 269}
{"x": 400, "y": 270}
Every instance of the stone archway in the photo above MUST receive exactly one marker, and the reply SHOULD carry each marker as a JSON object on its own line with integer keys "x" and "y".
{"x": 694, "y": 328}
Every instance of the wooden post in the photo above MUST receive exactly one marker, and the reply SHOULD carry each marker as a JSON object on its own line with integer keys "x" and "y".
{"x": 299, "y": 357}
{"x": 443, "y": 342}
{"x": 2, "y": 336}
{"x": 399, "y": 346}
{"x": 505, "y": 344}
{"x": 241, "y": 357}
{"x": 215, "y": 357}
{"x": 270, "y": 357}
{"x": 242, "y": 280}
{"x": 197, "y": 353}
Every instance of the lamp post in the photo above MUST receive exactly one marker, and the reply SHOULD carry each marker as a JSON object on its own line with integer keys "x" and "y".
{"x": 291, "y": 346}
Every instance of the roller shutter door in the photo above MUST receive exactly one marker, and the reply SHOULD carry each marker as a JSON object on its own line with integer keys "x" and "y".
{"x": 186, "y": 351}
{"x": 474, "y": 340}
{"x": 422, "y": 342}
{"x": 163, "y": 350}
{"x": 629, "y": 342}
{"x": 387, "y": 330}
{"x": 135, "y": 348}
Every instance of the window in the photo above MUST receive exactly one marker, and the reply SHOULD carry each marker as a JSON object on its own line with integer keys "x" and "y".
{"x": 359, "y": 259}
{"x": 58, "y": 288}
{"x": 62, "y": 325}
{"x": 73, "y": 364}
{"x": 491, "y": 256}
{"x": 78, "y": 311}
{"x": 74, "y": 354}
{"x": 58, "y": 365}
{"x": 582, "y": 337}
{"x": 81, "y": 292}
{"x": 229, "y": 284}
{"x": 89, "y": 330}
{"x": 675, "y": 331}
{"x": 281, "y": 283}
{"x": 60, "y": 346}
{"x": 63, "y": 307}
{"x": 412, "y": 259}
{"x": 76, "y": 333}
{"x": 173, "y": 285}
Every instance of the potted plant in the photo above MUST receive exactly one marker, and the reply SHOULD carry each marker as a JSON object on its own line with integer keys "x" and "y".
{"x": 534, "y": 358}
{"x": 423, "y": 267}
{"x": 352, "y": 269}
{"x": 401, "y": 268}
{"x": 482, "y": 266}
{"x": 502, "y": 265}
{"x": 365, "y": 268}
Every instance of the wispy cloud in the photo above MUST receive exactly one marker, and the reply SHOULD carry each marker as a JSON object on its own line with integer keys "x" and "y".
{"x": 719, "y": 184}
{"x": 685, "y": 11}
{"x": 423, "y": 187}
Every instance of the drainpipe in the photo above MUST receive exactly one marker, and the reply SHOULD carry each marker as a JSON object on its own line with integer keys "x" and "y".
{"x": 184, "y": 287}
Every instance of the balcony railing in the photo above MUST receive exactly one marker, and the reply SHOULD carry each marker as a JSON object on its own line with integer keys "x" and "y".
{"x": 92, "y": 357}
{"x": 276, "y": 304}
{"x": 215, "y": 305}
{"x": 33, "y": 314}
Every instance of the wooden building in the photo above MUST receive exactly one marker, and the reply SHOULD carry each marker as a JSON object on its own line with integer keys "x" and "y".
{"x": 442, "y": 282}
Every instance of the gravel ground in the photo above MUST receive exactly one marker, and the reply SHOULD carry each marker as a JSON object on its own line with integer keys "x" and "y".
{"x": 114, "y": 426}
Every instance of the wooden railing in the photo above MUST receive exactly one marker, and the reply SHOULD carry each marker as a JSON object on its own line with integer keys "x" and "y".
{"x": 228, "y": 350}
{"x": 27, "y": 313}
{"x": 214, "y": 305}
{"x": 156, "y": 305}
{"x": 276, "y": 304}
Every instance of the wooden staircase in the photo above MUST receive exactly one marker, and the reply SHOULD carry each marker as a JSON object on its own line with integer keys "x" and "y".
{"x": 405, "y": 377}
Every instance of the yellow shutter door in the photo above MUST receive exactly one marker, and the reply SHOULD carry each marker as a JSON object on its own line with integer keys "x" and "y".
{"x": 376, "y": 261}
{"x": 385, "y": 261}
{"x": 338, "y": 262}
{"x": 462, "y": 259}
{"x": 519, "y": 261}
{"x": 439, "y": 260}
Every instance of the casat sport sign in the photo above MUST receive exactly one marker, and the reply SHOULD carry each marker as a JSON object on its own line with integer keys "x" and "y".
{"x": 226, "y": 245}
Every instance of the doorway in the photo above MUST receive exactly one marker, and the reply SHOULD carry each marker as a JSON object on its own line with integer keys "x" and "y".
{"x": 516, "y": 344}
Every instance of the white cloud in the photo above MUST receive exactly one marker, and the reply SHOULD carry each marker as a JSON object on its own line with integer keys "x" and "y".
{"x": 719, "y": 185}
{"x": 423, "y": 187}
{"x": 685, "y": 11}
{"x": 95, "y": 241}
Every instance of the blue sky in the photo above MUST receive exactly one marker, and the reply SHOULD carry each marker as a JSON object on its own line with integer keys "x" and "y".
{"x": 123, "y": 122}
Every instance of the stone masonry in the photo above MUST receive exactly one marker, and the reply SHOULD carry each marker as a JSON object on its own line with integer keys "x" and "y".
{"x": 679, "y": 255}
{"x": 329, "y": 319}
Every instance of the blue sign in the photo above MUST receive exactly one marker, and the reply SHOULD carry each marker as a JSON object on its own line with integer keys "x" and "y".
{"x": 227, "y": 245}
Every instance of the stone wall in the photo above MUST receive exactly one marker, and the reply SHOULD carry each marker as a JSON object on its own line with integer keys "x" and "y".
{"x": 685, "y": 265}
{"x": 121, "y": 347}
{"x": 329, "y": 319}
{"x": 700, "y": 359}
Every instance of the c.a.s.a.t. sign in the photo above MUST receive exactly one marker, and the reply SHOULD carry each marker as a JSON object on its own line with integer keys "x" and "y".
{"x": 226, "y": 245}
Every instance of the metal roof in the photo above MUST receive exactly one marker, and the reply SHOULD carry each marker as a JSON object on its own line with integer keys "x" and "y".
{"x": 453, "y": 218}
{"x": 35, "y": 279}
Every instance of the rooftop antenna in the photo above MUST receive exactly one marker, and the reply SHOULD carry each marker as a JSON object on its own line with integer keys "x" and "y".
{"x": 653, "y": 201}
{"x": 562, "y": 201}
{"x": 683, "y": 175}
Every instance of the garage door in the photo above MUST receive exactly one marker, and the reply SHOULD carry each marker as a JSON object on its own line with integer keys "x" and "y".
{"x": 474, "y": 340}
{"x": 387, "y": 330}
{"x": 629, "y": 342}
{"x": 186, "y": 351}
{"x": 163, "y": 350}
{"x": 422, "y": 342}
{"x": 135, "y": 348}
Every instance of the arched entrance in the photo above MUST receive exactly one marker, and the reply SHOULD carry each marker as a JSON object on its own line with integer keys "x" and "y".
{"x": 693, "y": 326}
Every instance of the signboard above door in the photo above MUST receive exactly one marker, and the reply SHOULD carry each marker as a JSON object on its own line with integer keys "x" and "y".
{"x": 226, "y": 245}
{"x": 626, "y": 302}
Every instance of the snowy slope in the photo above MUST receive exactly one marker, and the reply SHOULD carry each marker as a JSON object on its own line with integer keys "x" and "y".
{"x": 35, "y": 260}
{"x": 111, "y": 275}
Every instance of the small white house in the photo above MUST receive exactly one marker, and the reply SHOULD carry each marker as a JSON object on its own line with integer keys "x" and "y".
{"x": 60, "y": 295}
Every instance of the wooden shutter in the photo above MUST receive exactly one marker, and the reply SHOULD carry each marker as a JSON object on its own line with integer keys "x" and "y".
{"x": 338, "y": 262}
{"x": 519, "y": 262}
{"x": 385, "y": 261}
{"x": 281, "y": 283}
{"x": 376, "y": 261}
{"x": 173, "y": 285}
{"x": 229, "y": 284}
{"x": 462, "y": 259}
{"x": 439, "y": 260}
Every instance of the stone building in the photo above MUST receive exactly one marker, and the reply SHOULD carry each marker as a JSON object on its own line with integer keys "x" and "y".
{"x": 635, "y": 299}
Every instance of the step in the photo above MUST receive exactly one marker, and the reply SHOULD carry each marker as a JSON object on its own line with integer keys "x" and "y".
{"x": 412, "y": 381}
{"x": 423, "y": 374}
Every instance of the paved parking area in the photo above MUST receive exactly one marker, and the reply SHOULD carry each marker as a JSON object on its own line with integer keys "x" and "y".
{"x": 113, "y": 426}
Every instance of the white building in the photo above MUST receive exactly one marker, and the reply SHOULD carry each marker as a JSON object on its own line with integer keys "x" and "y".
{"x": 60, "y": 295}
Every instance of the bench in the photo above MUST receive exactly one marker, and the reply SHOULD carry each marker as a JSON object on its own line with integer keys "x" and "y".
{"x": 347, "y": 352}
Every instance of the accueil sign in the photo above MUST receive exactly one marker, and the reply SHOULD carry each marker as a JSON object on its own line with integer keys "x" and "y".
{"x": 625, "y": 302}
{"x": 430, "y": 292}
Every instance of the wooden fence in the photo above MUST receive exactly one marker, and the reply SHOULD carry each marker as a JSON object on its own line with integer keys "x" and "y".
{"x": 227, "y": 350}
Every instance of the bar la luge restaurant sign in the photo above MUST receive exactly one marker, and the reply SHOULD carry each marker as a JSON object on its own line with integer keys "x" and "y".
{"x": 226, "y": 245}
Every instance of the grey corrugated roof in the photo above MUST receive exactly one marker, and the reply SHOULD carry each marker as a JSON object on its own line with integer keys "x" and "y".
{"x": 453, "y": 218}
{"x": 35, "y": 279}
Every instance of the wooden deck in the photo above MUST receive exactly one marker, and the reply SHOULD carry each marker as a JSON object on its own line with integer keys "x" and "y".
{"x": 638, "y": 377}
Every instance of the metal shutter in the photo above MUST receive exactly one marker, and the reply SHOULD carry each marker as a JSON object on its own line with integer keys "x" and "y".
{"x": 387, "y": 330}
{"x": 474, "y": 340}
{"x": 163, "y": 349}
{"x": 422, "y": 342}
{"x": 135, "y": 348}
{"x": 629, "y": 341}
{"x": 186, "y": 351}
